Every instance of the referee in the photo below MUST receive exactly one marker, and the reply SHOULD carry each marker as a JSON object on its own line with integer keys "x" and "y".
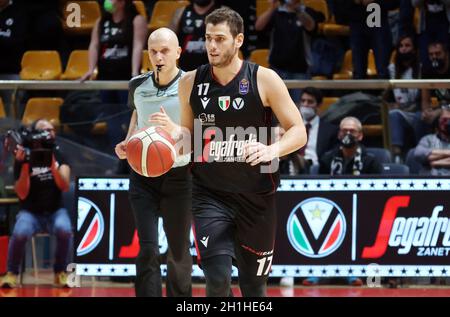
{"x": 154, "y": 99}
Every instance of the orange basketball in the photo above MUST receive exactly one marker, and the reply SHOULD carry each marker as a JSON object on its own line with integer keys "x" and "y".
{"x": 151, "y": 152}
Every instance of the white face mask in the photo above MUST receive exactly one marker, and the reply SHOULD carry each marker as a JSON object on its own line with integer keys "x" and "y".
{"x": 308, "y": 113}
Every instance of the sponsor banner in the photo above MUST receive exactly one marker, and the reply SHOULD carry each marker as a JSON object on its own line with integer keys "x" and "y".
{"x": 326, "y": 227}
{"x": 337, "y": 226}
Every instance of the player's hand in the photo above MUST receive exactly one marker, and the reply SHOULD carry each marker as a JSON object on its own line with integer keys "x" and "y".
{"x": 257, "y": 152}
{"x": 163, "y": 120}
{"x": 19, "y": 153}
{"x": 121, "y": 150}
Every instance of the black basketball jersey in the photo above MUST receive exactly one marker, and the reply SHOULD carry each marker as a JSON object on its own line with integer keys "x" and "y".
{"x": 230, "y": 116}
{"x": 116, "y": 48}
{"x": 191, "y": 35}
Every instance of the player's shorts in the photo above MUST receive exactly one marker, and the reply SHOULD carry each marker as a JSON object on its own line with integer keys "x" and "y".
{"x": 241, "y": 225}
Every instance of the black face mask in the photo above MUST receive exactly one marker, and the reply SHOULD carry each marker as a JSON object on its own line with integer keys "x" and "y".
{"x": 349, "y": 141}
{"x": 202, "y": 3}
{"x": 437, "y": 64}
{"x": 405, "y": 57}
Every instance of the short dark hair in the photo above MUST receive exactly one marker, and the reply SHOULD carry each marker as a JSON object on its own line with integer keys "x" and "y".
{"x": 436, "y": 43}
{"x": 316, "y": 93}
{"x": 231, "y": 17}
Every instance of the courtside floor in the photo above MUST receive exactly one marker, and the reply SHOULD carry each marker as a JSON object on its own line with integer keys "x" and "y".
{"x": 96, "y": 288}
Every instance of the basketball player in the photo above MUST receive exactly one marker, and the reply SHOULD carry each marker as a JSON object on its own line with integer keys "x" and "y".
{"x": 233, "y": 200}
{"x": 169, "y": 195}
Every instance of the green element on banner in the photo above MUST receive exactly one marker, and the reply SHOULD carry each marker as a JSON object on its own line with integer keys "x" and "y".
{"x": 300, "y": 237}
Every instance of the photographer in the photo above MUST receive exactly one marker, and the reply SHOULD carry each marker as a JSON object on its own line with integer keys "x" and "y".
{"x": 41, "y": 176}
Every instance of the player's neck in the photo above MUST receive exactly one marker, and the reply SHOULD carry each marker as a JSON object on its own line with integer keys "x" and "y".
{"x": 226, "y": 74}
{"x": 166, "y": 78}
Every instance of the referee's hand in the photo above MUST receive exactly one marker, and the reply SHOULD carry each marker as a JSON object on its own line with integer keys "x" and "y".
{"x": 163, "y": 120}
{"x": 121, "y": 150}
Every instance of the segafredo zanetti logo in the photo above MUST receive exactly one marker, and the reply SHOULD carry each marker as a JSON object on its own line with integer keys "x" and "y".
{"x": 90, "y": 226}
{"x": 316, "y": 227}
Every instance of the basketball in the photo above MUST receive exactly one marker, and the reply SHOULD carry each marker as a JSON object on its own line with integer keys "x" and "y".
{"x": 151, "y": 152}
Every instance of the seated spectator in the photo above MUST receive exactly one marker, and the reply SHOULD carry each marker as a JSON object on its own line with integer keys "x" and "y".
{"x": 39, "y": 186}
{"x": 291, "y": 25}
{"x": 433, "y": 150}
{"x": 439, "y": 69}
{"x": 404, "y": 114}
{"x": 117, "y": 41}
{"x": 188, "y": 24}
{"x": 321, "y": 135}
{"x": 433, "y": 26}
{"x": 350, "y": 157}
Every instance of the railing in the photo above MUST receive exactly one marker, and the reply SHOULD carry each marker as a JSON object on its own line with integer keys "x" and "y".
{"x": 323, "y": 84}
{"x": 366, "y": 84}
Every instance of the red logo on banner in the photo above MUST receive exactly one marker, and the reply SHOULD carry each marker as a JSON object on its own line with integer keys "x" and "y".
{"x": 384, "y": 230}
{"x": 132, "y": 250}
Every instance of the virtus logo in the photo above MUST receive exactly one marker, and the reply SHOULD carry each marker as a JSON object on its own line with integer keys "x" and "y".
{"x": 316, "y": 227}
{"x": 90, "y": 226}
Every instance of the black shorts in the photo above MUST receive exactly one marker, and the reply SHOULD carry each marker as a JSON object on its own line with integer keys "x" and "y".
{"x": 241, "y": 225}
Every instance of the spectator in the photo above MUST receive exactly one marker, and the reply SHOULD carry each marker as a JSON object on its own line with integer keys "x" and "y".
{"x": 434, "y": 24}
{"x": 350, "y": 158}
{"x": 188, "y": 24}
{"x": 117, "y": 41}
{"x": 439, "y": 69}
{"x": 247, "y": 10}
{"x": 291, "y": 25}
{"x": 45, "y": 27}
{"x": 406, "y": 18}
{"x": 364, "y": 37}
{"x": 433, "y": 150}
{"x": 321, "y": 135}
{"x": 40, "y": 182}
{"x": 13, "y": 37}
{"x": 404, "y": 113}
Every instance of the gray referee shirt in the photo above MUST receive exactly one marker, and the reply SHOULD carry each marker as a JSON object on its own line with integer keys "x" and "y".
{"x": 146, "y": 97}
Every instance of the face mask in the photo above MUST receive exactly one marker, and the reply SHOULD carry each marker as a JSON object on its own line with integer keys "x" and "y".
{"x": 202, "y": 3}
{"x": 437, "y": 64}
{"x": 405, "y": 57}
{"x": 349, "y": 141}
{"x": 108, "y": 6}
{"x": 307, "y": 113}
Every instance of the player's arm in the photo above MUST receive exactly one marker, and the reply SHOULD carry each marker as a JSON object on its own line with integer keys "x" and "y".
{"x": 121, "y": 148}
{"x": 184, "y": 92}
{"x": 186, "y": 132}
{"x": 275, "y": 95}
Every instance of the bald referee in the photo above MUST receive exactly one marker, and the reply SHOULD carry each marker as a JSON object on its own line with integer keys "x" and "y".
{"x": 154, "y": 98}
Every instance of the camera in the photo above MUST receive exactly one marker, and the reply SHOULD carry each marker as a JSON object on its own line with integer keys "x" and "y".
{"x": 38, "y": 145}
